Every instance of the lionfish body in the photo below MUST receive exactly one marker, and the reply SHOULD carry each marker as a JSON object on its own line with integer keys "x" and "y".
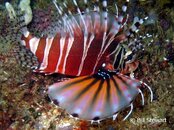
{"x": 89, "y": 45}
{"x": 81, "y": 48}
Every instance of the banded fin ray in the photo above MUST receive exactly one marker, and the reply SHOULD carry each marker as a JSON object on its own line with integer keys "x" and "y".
{"x": 95, "y": 35}
{"x": 95, "y": 97}
{"x": 13, "y": 26}
{"x": 26, "y": 58}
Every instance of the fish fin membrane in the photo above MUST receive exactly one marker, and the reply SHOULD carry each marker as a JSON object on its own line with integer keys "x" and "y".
{"x": 47, "y": 22}
{"x": 25, "y": 57}
{"x": 98, "y": 96}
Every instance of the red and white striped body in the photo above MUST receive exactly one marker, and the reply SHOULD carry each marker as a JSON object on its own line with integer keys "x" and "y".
{"x": 80, "y": 47}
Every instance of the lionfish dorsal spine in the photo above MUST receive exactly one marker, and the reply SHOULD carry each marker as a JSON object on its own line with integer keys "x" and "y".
{"x": 83, "y": 29}
{"x": 86, "y": 6}
{"x": 96, "y": 6}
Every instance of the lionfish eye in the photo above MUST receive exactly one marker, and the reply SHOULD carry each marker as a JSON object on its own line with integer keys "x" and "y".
{"x": 104, "y": 65}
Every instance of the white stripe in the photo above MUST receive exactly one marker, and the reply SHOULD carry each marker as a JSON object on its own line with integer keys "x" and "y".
{"x": 96, "y": 20}
{"x": 133, "y": 27}
{"x": 70, "y": 43}
{"x": 115, "y": 28}
{"x": 85, "y": 52}
{"x": 117, "y": 49}
{"x": 100, "y": 53}
{"x": 81, "y": 16}
{"x": 75, "y": 3}
{"x": 26, "y": 33}
{"x": 131, "y": 105}
{"x": 116, "y": 56}
{"x": 103, "y": 50}
{"x": 33, "y": 43}
{"x": 62, "y": 44}
{"x": 104, "y": 3}
{"x": 121, "y": 60}
{"x": 124, "y": 8}
{"x": 44, "y": 63}
{"x": 86, "y": 45}
{"x": 105, "y": 16}
{"x": 120, "y": 18}
{"x": 97, "y": 7}
{"x": 116, "y": 7}
{"x": 23, "y": 42}
{"x": 108, "y": 43}
{"x": 141, "y": 21}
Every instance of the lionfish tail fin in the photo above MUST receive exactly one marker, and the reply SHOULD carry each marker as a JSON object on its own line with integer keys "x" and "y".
{"x": 95, "y": 97}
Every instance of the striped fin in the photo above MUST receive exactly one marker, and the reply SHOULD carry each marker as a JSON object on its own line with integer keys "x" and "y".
{"x": 96, "y": 6}
{"x": 25, "y": 57}
{"x": 135, "y": 26}
{"x": 95, "y": 97}
{"x": 13, "y": 26}
{"x": 123, "y": 15}
{"x": 91, "y": 37}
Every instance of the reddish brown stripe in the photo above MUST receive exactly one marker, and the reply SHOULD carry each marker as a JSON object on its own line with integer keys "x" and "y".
{"x": 64, "y": 53}
{"x": 92, "y": 55}
{"x": 75, "y": 55}
{"x": 53, "y": 54}
{"x": 40, "y": 50}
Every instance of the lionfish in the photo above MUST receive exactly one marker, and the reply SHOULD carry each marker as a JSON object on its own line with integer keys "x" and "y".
{"x": 89, "y": 45}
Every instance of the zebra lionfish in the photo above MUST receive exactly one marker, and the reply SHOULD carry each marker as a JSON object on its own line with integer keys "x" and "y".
{"x": 90, "y": 45}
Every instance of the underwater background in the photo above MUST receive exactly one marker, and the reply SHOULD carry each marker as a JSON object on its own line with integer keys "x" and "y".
{"x": 24, "y": 103}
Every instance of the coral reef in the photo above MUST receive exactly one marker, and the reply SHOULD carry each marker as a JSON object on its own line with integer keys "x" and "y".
{"x": 24, "y": 103}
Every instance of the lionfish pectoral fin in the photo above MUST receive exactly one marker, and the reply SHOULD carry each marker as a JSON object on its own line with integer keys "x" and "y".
{"x": 25, "y": 57}
{"x": 95, "y": 97}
